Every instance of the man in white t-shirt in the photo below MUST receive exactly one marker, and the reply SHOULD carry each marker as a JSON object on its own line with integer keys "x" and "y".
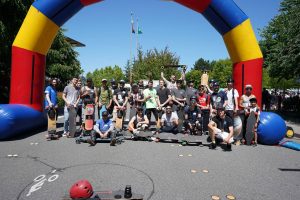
{"x": 169, "y": 121}
{"x": 232, "y": 102}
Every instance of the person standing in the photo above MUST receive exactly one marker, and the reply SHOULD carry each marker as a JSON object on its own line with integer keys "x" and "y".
{"x": 51, "y": 99}
{"x": 71, "y": 97}
{"x": 190, "y": 92}
{"x": 151, "y": 101}
{"x": 232, "y": 96}
{"x": 80, "y": 103}
{"x": 218, "y": 99}
{"x": 105, "y": 98}
{"x": 204, "y": 104}
{"x": 120, "y": 97}
{"x": 89, "y": 95}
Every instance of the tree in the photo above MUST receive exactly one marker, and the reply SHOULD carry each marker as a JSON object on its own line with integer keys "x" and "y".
{"x": 12, "y": 13}
{"x": 107, "y": 73}
{"x": 194, "y": 75}
{"x": 62, "y": 60}
{"x": 202, "y": 65}
{"x": 148, "y": 64}
{"x": 222, "y": 70}
{"x": 281, "y": 42}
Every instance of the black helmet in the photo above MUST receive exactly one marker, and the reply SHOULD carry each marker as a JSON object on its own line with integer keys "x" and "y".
{"x": 112, "y": 80}
{"x": 230, "y": 80}
{"x": 212, "y": 81}
{"x": 216, "y": 83}
{"x": 122, "y": 81}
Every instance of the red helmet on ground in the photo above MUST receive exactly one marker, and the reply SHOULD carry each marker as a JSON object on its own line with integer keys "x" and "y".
{"x": 81, "y": 189}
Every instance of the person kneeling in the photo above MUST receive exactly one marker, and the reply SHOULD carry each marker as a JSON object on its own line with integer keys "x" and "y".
{"x": 221, "y": 127}
{"x": 169, "y": 121}
{"x": 103, "y": 129}
{"x": 139, "y": 122}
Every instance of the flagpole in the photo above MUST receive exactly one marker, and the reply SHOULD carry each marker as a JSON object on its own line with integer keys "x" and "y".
{"x": 137, "y": 36}
{"x": 130, "y": 59}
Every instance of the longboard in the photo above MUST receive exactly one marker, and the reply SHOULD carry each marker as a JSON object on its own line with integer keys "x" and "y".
{"x": 144, "y": 134}
{"x": 52, "y": 124}
{"x": 180, "y": 118}
{"x": 192, "y": 139}
{"x": 119, "y": 120}
{"x": 72, "y": 121}
{"x": 89, "y": 117}
{"x": 250, "y": 128}
{"x": 111, "y": 195}
{"x": 168, "y": 137}
{"x": 204, "y": 79}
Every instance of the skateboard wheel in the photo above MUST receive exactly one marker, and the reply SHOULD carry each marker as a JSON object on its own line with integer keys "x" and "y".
{"x": 290, "y": 132}
{"x": 215, "y": 197}
{"x": 230, "y": 197}
{"x": 118, "y": 196}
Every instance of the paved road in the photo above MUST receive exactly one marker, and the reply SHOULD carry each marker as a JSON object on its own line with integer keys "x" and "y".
{"x": 46, "y": 169}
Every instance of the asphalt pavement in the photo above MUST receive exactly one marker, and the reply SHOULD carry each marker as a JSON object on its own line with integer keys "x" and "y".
{"x": 34, "y": 169}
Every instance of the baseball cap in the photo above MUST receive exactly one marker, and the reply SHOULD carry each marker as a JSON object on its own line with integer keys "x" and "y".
{"x": 104, "y": 80}
{"x": 248, "y": 86}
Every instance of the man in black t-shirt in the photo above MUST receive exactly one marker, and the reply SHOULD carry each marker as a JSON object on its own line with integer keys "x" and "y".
{"x": 221, "y": 127}
{"x": 120, "y": 97}
{"x": 163, "y": 93}
{"x": 217, "y": 99}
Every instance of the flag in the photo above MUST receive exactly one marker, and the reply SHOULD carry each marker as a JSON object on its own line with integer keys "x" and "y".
{"x": 139, "y": 31}
{"x": 132, "y": 24}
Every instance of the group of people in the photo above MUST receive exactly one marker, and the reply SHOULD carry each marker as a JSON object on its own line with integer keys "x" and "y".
{"x": 219, "y": 113}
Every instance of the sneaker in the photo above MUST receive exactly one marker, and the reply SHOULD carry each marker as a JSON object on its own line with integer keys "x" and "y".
{"x": 228, "y": 146}
{"x": 113, "y": 142}
{"x": 91, "y": 142}
{"x": 66, "y": 134}
{"x": 213, "y": 145}
{"x": 183, "y": 143}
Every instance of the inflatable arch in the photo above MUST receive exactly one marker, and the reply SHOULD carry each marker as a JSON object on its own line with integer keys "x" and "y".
{"x": 43, "y": 20}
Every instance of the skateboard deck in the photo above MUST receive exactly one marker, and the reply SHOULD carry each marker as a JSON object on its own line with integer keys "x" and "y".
{"x": 51, "y": 121}
{"x": 119, "y": 121}
{"x": 89, "y": 117}
{"x": 192, "y": 139}
{"x": 168, "y": 137}
{"x": 144, "y": 134}
{"x": 204, "y": 79}
{"x": 180, "y": 118}
{"x": 111, "y": 195}
{"x": 250, "y": 128}
{"x": 72, "y": 121}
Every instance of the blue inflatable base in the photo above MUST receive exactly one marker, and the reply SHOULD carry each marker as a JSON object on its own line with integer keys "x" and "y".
{"x": 290, "y": 145}
{"x": 18, "y": 119}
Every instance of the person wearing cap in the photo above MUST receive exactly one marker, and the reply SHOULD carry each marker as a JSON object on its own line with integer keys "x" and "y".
{"x": 104, "y": 128}
{"x": 254, "y": 108}
{"x": 190, "y": 91}
{"x": 221, "y": 127}
{"x": 105, "y": 98}
{"x": 169, "y": 121}
{"x": 192, "y": 117}
{"x": 172, "y": 83}
{"x": 244, "y": 104}
{"x": 232, "y": 105}
{"x": 51, "y": 101}
{"x": 217, "y": 99}
{"x": 139, "y": 122}
{"x": 120, "y": 98}
{"x": 89, "y": 95}
{"x": 204, "y": 105}
{"x": 151, "y": 101}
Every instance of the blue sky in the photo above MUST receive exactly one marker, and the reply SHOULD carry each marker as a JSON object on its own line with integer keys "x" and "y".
{"x": 105, "y": 30}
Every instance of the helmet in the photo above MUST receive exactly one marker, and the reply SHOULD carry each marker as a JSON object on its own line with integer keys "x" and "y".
{"x": 81, "y": 189}
{"x": 122, "y": 81}
{"x": 216, "y": 83}
{"x": 113, "y": 80}
{"x": 230, "y": 80}
{"x": 193, "y": 98}
{"x": 212, "y": 81}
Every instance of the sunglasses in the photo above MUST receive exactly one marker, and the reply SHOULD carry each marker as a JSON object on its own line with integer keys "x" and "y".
{"x": 248, "y": 88}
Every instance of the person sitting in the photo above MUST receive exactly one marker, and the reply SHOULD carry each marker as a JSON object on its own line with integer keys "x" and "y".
{"x": 103, "y": 129}
{"x": 221, "y": 127}
{"x": 192, "y": 118}
{"x": 139, "y": 122}
{"x": 254, "y": 108}
{"x": 169, "y": 121}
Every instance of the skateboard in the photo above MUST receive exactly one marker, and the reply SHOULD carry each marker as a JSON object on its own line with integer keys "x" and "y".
{"x": 119, "y": 119}
{"x": 52, "y": 124}
{"x": 72, "y": 121}
{"x": 168, "y": 137}
{"x": 204, "y": 78}
{"x": 180, "y": 118}
{"x": 89, "y": 117}
{"x": 143, "y": 135}
{"x": 174, "y": 66}
{"x": 250, "y": 128}
{"x": 192, "y": 140}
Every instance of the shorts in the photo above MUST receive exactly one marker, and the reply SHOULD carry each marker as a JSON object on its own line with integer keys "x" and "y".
{"x": 223, "y": 135}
